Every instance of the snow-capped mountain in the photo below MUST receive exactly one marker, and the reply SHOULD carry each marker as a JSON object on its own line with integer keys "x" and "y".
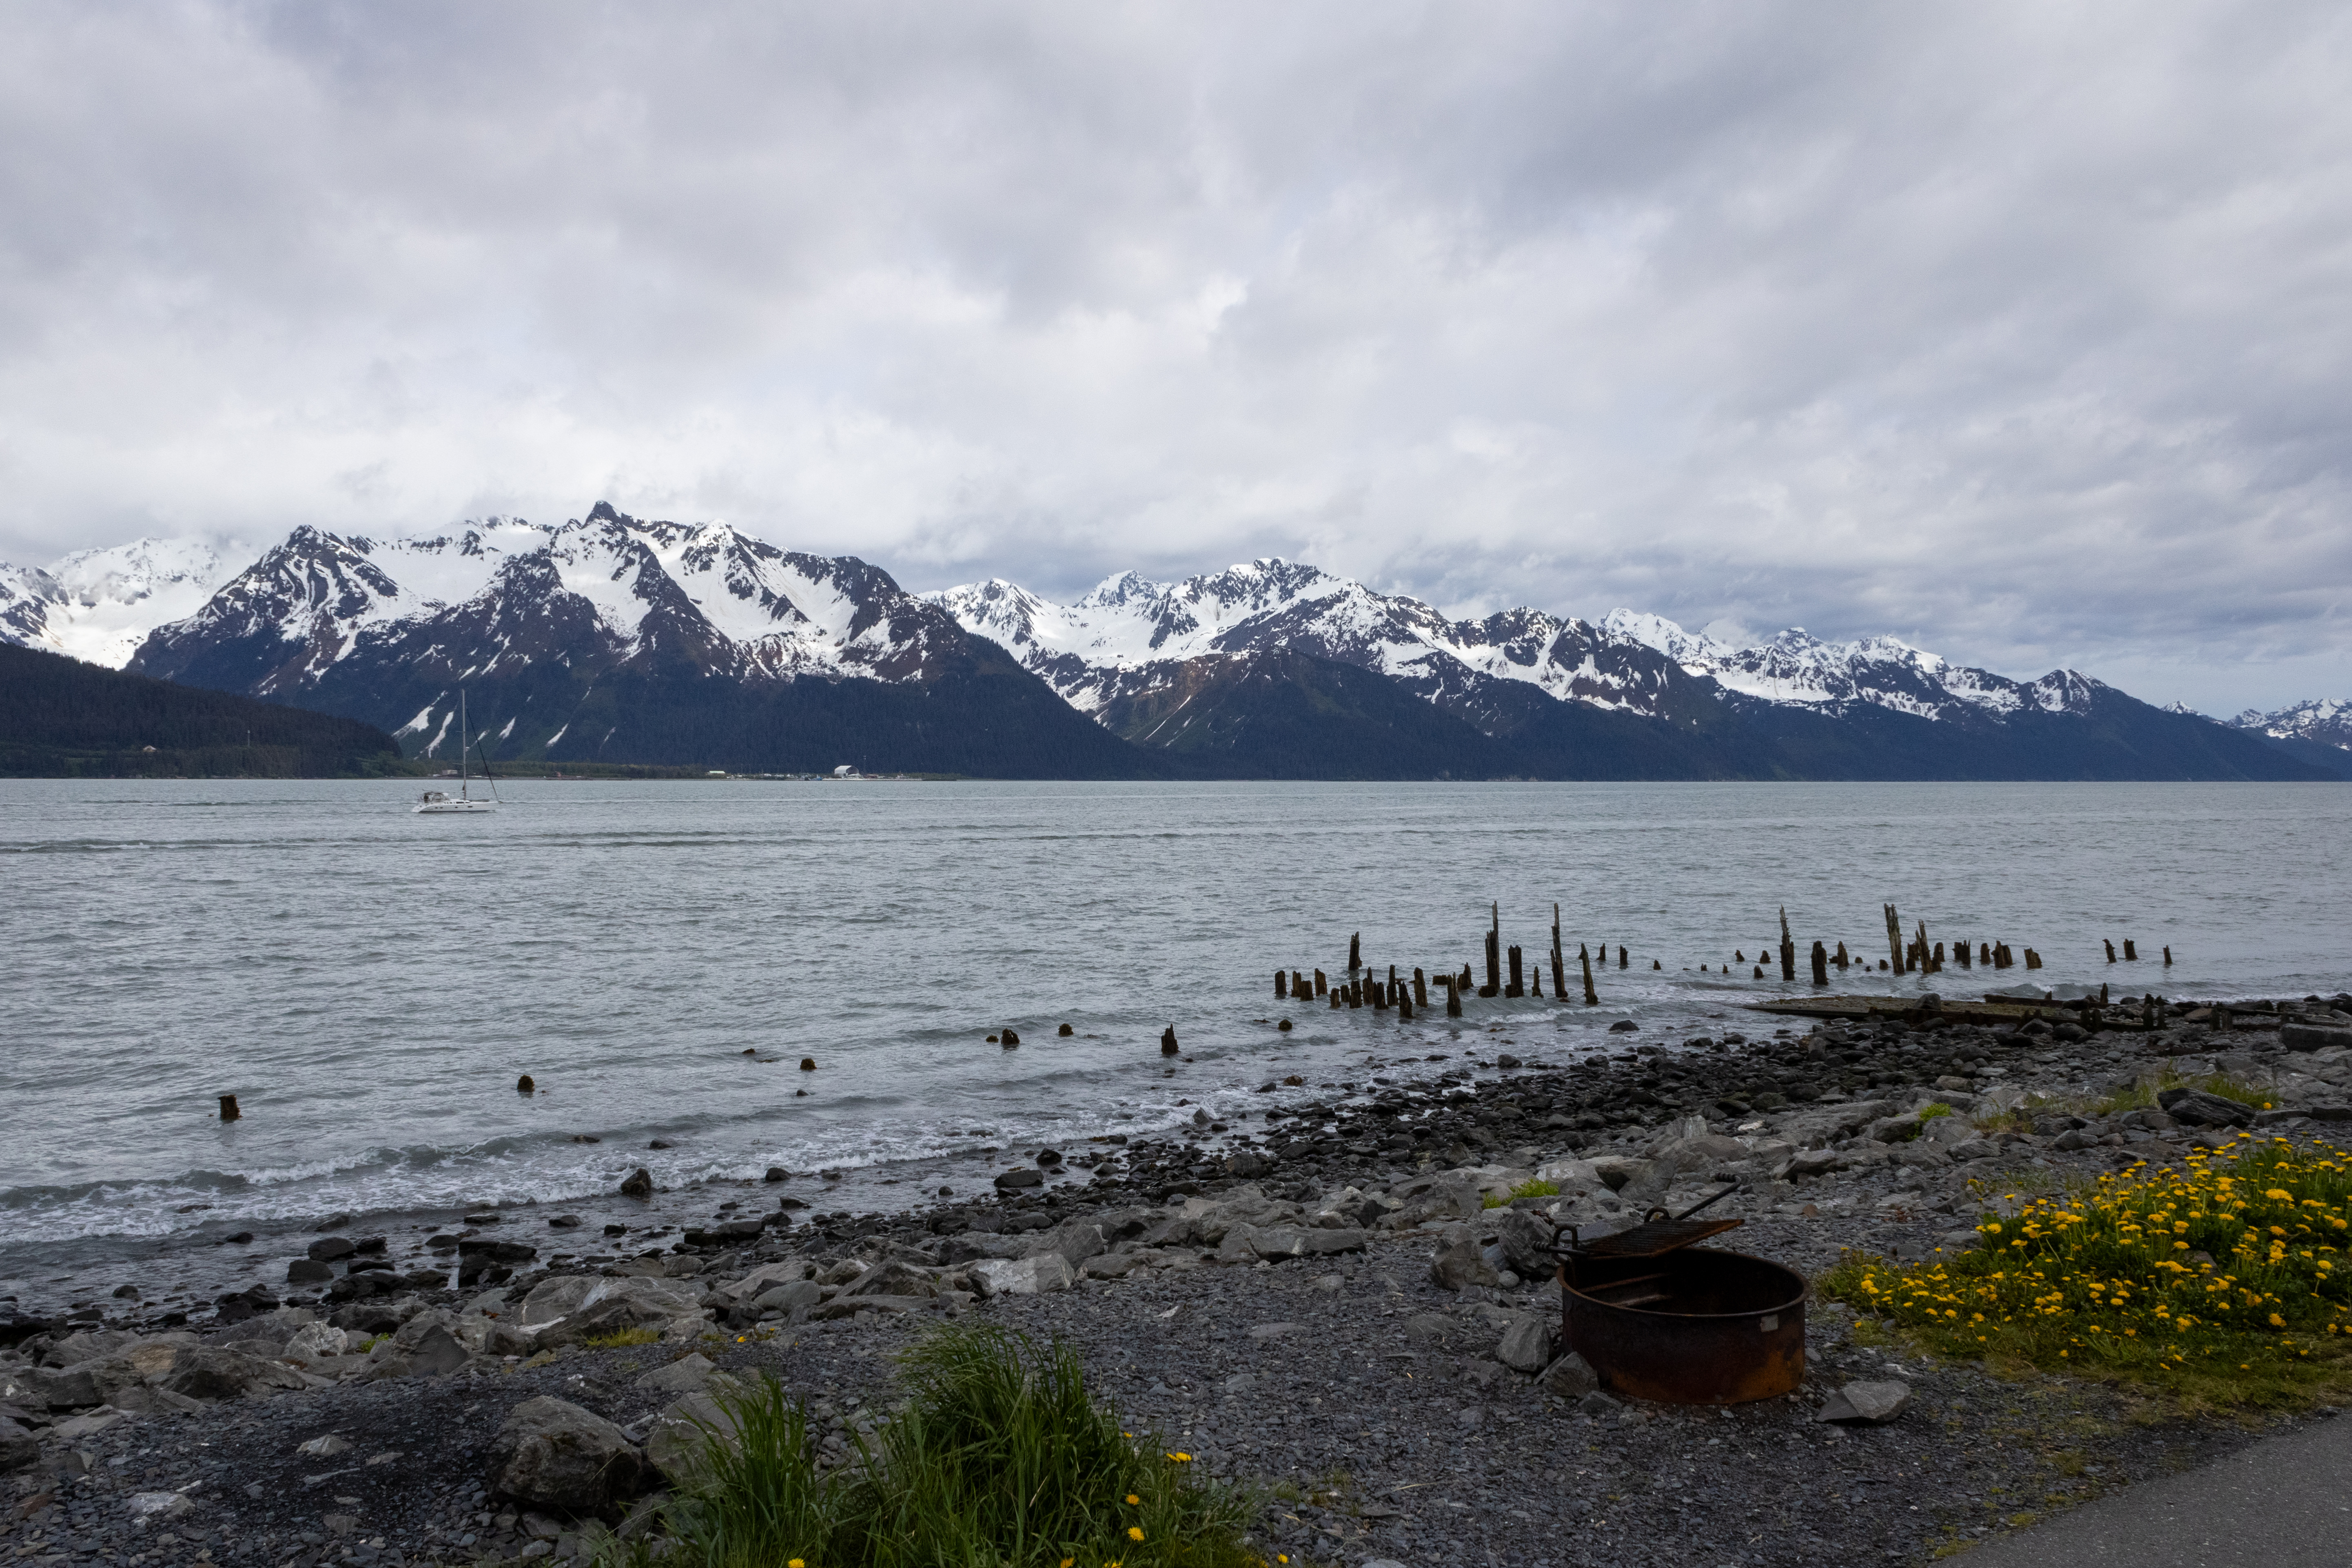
{"x": 1800, "y": 668}
{"x": 613, "y": 638}
{"x": 98, "y": 605}
{"x": 1126, "y": 638}
{"x": 1129, "y": 637}
{"x": 2322, "y": 720}
{"x": 599, "y": 637}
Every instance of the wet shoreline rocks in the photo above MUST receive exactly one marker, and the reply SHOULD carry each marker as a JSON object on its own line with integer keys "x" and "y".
{"x": 1333, "y": 1296}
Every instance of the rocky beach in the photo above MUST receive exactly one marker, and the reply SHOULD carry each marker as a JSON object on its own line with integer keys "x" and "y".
{"x": 1342, "y": 1302}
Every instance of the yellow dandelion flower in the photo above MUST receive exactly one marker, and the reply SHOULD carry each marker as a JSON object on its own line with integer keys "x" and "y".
{"x": 1135, "y": 1533}
{"x": 1131, "y": 1497}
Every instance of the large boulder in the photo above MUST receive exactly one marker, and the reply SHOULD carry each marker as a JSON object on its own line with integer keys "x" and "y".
{"x": 1462, "y": 1263}
{"x": 204, "y": 1372}
{"x": 18, "y": 1447}
{"x": 677, "y": 1441}
{"x": 797, "y": 1296}
{"x": 2314, "y": 1037}
{"x": 49, "y": 1388}
{"x": 2198, "y": 1107}
{"x": 575, "y": 1307}
{"x": 1526, "y": 1241}
{"x": 1075, "y": 1239}
{"x": 893, "y": 1280}
{"x": 1527, "y": 1344}
{"x": 1247, "y": 1243}
{"x": 1021, "y": 1275}
{"x": 553, "y": 1454}
{"x": 1823, "y": 1125}
{"x": 89, "y": 1346}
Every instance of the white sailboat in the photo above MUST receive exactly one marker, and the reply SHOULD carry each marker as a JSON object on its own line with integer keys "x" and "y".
{"x": 438, "y": 800}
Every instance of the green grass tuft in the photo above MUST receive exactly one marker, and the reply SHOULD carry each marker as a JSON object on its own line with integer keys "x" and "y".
{"x": 999, "y": 1458}
{"x": 1929, "y": 1112}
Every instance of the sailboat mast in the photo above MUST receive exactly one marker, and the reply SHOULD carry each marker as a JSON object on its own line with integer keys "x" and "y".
{"x": 464, "y": 778}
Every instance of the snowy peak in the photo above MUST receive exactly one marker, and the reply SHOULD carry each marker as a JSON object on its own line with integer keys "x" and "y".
{"x": 99, "y": 604}
{"x": 2321, "y": 719}
{"x": 1129, "y": 635}
{"x": 502, "y": 594}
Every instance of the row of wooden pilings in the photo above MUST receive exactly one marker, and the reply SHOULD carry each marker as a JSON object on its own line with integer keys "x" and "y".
{"x": 1360, "y": 988}
{"x": 1914, "y": 953}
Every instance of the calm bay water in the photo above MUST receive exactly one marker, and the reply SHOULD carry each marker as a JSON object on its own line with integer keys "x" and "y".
{"x": 370, "y": 982}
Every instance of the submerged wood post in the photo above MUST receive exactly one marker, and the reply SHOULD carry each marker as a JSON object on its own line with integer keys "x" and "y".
{"x": 1535, "y": 980}
{"x": 1300, "y": 986}
{"x": 1464, "y": 982}
{"x": 1840, "y": 960}
{"x": 1282, "y": 985}
{"x": 2131, "y": 953}
{"x": 2111, "y": 950}
{"x": 1355, "y": 952}
{"x": 2167, "y": 958}
{"x": 1787, "y": 947}
{"x": 2033, "y": 959}
{"x": 229, "y": 1112}
{"x": 1623, "y": 961}
{"x": 1419, "y": 989}
{"x": 1322, "y": 982}
{"x": 1494, "y": 954}
{"x": 1960, "y": 951}
{"x": 1518, "y": 986}
{"x": 1821, "y": 964}
{"x": 1403, "y": 1000}
{"x": 1895, "y": 940}
{"x": 1168, "y": 1046}
{"x": 1584, "y": 957}
{"x": 1559, "y": 970}
{"x": 1453, "y": 997}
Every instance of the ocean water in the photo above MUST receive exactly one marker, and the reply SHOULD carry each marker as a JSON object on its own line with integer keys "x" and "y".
{"x": 370, "y": 982}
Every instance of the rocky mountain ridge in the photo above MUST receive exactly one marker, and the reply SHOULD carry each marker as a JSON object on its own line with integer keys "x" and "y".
{"x": 613, "y": 638}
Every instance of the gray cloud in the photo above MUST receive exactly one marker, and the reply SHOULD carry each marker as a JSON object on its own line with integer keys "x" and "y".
{"x": 2018, "y": 332}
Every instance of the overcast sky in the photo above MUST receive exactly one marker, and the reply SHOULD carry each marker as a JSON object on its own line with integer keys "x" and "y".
{"x": 2024, "y": 332}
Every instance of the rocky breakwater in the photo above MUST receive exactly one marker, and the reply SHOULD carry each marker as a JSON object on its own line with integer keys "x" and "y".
{"x": 1357, "y": 1286}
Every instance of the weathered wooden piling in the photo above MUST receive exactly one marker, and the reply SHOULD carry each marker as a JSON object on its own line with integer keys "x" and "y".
{"x": 1355, "y": 952}
{"x": 2033, "y": 959}
{"x": 1419, "y": 989}
{"x": 2167, "y": 958}
{"x": 2111, "y": 949}
{"x": 1535, "y": 979}
{"x": 1623, "y": 961}
{"x": 1464, "y": 982}
{"x": 1453, "y": 997}
{"x": 228, "y": 1110}
{"x": 1787, "y": 947}
{"x": 1584, "y": 957}
{"x": 1517, "y": 986}
{"x": 1282, "y": 985}
{"x": 1559, "y": 969}
{"x": 1339, "y": 997}
{"x": 1322, "y": 982}
{"x": 1895, "y": 940}
{"x": 1494, "y": 955}
{"x": 524, "y": 1085}
{"x": 1960, "y": 951}
{"x": 1821, "y": 964}
{"x": 1840, "y": 960}
{"x": 1377, "y": 994}
{"x": 1404, "y": 1002}
{"x": 2131, "y": 953}
{"x": 1168, "y": 1046}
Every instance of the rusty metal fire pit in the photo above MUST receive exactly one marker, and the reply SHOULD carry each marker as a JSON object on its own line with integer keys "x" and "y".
{"x": 1660, "y": 1318}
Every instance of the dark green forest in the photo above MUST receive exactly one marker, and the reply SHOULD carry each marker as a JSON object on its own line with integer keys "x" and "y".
{"x": 60, "y": 718}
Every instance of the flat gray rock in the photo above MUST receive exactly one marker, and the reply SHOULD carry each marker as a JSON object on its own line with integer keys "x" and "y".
{"x": 1866, "y": 1404}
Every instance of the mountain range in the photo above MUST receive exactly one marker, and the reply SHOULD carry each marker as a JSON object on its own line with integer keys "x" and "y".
{"x": 613, "y": 640}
